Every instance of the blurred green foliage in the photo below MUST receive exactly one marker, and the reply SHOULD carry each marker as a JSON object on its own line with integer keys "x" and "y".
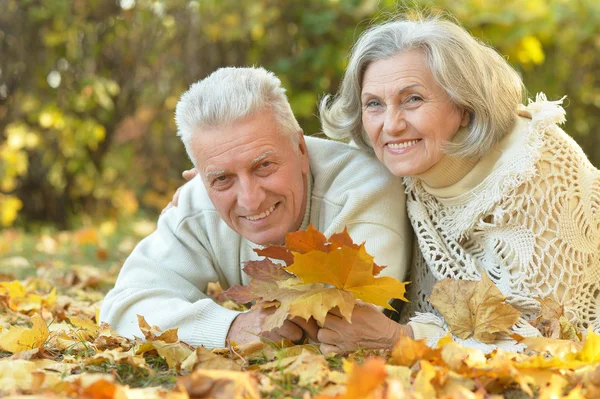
{"x": 88, "y": 87}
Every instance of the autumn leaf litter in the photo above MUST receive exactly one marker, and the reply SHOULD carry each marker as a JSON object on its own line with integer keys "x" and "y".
{"x": 51, "y": 344}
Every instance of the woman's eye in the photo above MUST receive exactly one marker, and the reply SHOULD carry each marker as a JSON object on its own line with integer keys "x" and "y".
{"x": 372, "y": 103}
{"x": 414, "y": 99}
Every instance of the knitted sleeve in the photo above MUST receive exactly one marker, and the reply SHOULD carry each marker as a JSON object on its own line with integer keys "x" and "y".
{"x": 163, "y": 280}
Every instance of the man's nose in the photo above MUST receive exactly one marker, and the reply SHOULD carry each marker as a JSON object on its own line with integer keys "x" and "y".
{"x": 250, "y": 195}
{"x": 394, "y": 122}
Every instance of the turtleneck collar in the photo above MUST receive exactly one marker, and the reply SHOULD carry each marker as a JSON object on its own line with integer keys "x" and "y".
{"x": 448, "y": 170}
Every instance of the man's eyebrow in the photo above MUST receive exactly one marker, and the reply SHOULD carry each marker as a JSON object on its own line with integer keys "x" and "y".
{"x": 209, "y": 175}
{"x": 261, "y": 157}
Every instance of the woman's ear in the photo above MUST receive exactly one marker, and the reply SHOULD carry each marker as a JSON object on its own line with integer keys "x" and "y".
{"x": 466, "y": 118}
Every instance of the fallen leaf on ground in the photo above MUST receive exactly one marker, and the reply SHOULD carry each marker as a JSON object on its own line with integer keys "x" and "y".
{"x": 19, "y": 339}
{"x": 474, "y": 308}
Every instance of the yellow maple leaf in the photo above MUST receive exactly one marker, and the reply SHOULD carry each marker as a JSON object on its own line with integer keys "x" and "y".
{"x": 473, "y": 308}
{"x": 423, "y": 380}
{"x": 591, "y": 348}
{"x": 348, "y": 269}
{"x": 407, "y": 352}
{"x": 363, "y": 380}
{"x": 20, "y": 339}
{"x": 86, "y": 328}
{"x": 314, "y": 300}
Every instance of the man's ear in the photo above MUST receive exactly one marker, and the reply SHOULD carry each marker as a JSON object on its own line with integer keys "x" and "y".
{"x": 303, "y": 152}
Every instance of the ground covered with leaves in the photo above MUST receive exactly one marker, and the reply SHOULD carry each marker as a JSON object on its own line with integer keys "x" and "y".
{"x": 51, "y": 344}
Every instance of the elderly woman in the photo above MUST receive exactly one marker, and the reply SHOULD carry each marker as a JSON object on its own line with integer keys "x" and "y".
{"x": 493, "y": 187}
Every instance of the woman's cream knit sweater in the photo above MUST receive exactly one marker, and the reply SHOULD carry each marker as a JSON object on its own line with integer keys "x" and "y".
{"x": 527, "y": 214}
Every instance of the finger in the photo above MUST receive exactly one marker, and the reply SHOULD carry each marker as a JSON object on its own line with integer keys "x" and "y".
{"x": 334, "y": 322}
{"x": 271, "y": 336}
{"x": 310, "y": 327}
{"x": 175, "y": 199}
{"x": 290, "y": 331}
{"x": 189, "y": 174}
{"x": 336, "y": 312}
{"x": 325, "y": 349}
{"x": 328, "y": 336}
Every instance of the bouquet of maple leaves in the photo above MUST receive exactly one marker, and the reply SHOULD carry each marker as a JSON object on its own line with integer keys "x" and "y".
{"x": 319, "y": 275}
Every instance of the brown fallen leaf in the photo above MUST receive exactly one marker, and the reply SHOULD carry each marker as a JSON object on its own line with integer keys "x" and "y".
{"x": 220, "y": 384}
{"x": 311, "y": 369}
{"x": 173, "y": 352}
{"x": 202, "y": 358}
{"x": 154, "y": 333}
{"x": 474, "y": 308}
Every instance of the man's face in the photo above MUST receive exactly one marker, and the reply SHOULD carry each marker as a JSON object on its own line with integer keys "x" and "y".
{"x": 255, "y": 176}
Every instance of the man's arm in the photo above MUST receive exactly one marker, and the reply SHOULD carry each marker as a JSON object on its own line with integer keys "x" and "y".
{"x": 164, "y": 280}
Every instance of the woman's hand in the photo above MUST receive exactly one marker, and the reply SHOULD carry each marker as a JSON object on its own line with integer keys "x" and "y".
{"x": 187, "y": 175}
{"x": 370, "y": 329}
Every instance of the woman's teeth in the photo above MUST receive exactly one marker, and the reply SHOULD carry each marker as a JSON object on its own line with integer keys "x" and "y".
{"x": 406, "y": 144}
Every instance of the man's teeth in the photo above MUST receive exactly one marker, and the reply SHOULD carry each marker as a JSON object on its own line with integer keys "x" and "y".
{"x": 262, "y": 215}
{"x": 403, "y": 145}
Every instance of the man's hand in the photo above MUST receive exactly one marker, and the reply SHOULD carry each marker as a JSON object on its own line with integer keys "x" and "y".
{"x": 370, "y": 329}
{"x": 187, "y": 175}
{"x": 247, "y": 328}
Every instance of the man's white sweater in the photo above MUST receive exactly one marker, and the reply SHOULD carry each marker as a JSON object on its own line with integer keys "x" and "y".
{"x": 166, "y": 276}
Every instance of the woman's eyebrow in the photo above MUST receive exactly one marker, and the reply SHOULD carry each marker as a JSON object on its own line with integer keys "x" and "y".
{"x": 404, "y": 89}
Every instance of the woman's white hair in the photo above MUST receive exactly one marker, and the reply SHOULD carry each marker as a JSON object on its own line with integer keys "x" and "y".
{"x": 474, "y": 75}
{"x": 229, "y": 95}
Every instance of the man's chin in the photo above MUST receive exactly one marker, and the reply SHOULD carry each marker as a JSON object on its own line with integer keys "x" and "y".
{"x": 266, "y": 238}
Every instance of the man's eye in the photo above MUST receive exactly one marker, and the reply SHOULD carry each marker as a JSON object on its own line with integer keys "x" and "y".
{"x": 265, "y": 164}
{"x": 220, "y": 180}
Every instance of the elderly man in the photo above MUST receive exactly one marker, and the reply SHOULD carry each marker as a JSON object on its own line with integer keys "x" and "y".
{"x": 259, "y": 178}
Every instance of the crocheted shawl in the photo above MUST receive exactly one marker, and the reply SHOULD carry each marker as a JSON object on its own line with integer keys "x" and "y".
{"x": 532, "y": 225}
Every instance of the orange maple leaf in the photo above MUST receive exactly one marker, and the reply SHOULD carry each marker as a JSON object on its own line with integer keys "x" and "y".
{"x": 349, "y": 269}
{"x": 326, "y": 274}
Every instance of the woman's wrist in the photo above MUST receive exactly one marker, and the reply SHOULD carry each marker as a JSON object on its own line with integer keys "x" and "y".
{"x": 400, "y": 330}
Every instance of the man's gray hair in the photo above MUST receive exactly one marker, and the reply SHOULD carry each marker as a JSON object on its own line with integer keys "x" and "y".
{"x": 474, "y": 75}
{"x": 229, "y": 95}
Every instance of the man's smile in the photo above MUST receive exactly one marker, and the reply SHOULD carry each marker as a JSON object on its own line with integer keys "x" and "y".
{"x": 261, "y": 215}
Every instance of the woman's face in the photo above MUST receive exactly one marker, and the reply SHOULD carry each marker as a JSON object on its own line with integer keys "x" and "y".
{"x": 406, "y": 114}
